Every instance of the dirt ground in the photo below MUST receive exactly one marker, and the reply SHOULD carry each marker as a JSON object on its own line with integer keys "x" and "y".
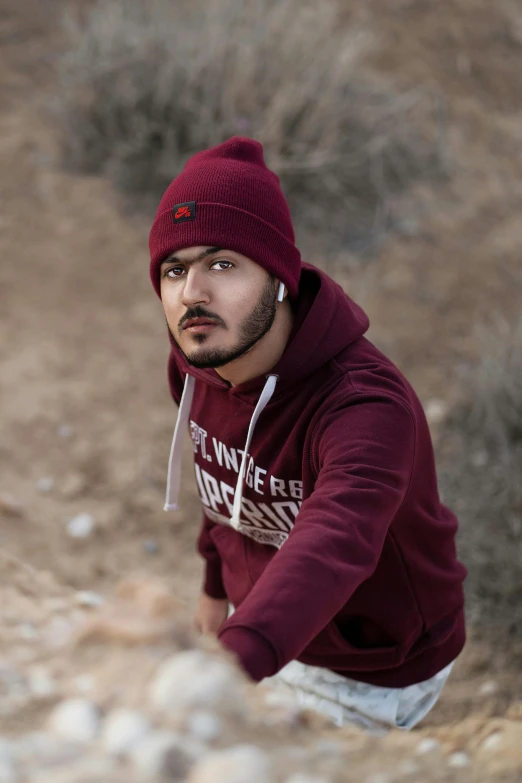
{"x": 86, "y": 416}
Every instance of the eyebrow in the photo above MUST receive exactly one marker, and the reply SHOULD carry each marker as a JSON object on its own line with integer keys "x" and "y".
{"x": 210, "y": 251}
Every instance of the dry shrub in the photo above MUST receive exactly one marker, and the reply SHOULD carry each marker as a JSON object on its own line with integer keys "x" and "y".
{"x": 481, "y": 478}
{"x": 144, "y": 85}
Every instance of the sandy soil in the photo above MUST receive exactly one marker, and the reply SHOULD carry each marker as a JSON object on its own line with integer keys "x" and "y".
{"x": 86, "y": 416}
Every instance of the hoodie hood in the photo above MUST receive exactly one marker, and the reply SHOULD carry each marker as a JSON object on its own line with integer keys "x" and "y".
{"x": 326, "y": 321}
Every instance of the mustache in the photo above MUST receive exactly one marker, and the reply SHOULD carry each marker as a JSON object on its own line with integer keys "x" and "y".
{"x": 199, "y": 312}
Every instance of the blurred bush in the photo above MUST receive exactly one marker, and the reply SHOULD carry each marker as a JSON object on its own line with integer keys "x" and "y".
{"x": 481, "y": 478}
{"x": 144, "y": 85}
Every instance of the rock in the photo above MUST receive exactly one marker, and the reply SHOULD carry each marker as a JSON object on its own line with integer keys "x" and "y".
{"x": 408, "y": 767}
{"x": 436, "y": 411}
{"x": 86, "y": 769}
{"x": 151, "y": 546}
{"x": 77, "y": 720}
{"x": 303, "y": 778}
{"x": 239, "y": 764}
{"x": 81, "y": 526}
{"x": 122, "y": 729}
{"x": 12, "y": 681}
{"x": 45, "y": 484}
{"x": 46, "y": 750}
{"x": 89, "y": 598}
{"x": 198, "y": 680}
{"x": 327, "y": 747}
{"x": 204, "y": 725}
{"x": 64, "y": 431}
{"x": 493, "y": 741}
{"x": 458, "y": 760}
{"x": 9, "y": 505}
{"x": 73, "y": 485}
{"x": 488, "y": 688}
{"x": 8, "y": 768}
{"x": 427, "y": 745}
{"x": 283, "y": 708}
{"x": 58, "y": 632}
{"x": 41, "y": 683}
{"x": 84, "y": 683}
{"x": 479, "y": 459}
{"x": 28, "y": 631}
{"x": 378, "y": 777}
{"x": 163, "y": 753}
{"x": 57, "y": 604}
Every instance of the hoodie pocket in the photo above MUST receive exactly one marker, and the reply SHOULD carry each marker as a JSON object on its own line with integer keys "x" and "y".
{"x": 331, "y": 650}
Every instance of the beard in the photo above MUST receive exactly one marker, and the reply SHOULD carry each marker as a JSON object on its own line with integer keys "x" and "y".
{"x": 251, "y": 330}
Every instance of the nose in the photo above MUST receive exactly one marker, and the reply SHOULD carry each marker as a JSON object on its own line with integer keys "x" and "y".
{"x": 195, "y": 288}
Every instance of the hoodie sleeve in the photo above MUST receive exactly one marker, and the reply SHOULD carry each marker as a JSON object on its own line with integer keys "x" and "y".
{"x": 362, "y": 453}
{"x": 212, "y": 583}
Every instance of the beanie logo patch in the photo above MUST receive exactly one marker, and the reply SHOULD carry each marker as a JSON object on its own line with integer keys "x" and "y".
{"x": 183, "y": 212}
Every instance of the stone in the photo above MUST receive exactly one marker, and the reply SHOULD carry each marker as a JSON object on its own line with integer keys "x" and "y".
{"x": 123, "y": 729}
{"x": 64, "y": 431}
{"x": 77, "y": 720}
{"x": 89, "y": 598}
{"x": 56, "y": 604}
{"x": 204, "y": 725}
{"x": 84, "y": 683}
{"x": 408, "y": 767}
{"x": 427, "y": 745}
{"x": 43, "y": 749}
{"x": 151, "y": 546}
{"x": 162, "y": 753}
{"x": 488, "y": 688}
{"x": 458, "y": 760}
{"x": 9, "y": 505}
{"x": 58, "y": 632}
{"x": 28, "y": 631}
{"x": 303, "y": 778}
{"x": 41, "y": 683}
{"x": 436, "y": 411}
{"x": 73, "y": 485}
{"x": 12, "y": 681}
{"x": 8, "y": 768}
{"x": 86, "y": 769}
{"x": 479, "y": 459}
{"x": 195, "y": 679}
{"x": 81, "y": 526}
{"x": 239, "y": 764}
{"x": 492, "y": 742}
{"x": 45, "y": 484}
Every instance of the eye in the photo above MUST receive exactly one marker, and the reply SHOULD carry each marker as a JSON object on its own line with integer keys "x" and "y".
{"x": 173, "y": 271}
{"x": 223, "y": 264}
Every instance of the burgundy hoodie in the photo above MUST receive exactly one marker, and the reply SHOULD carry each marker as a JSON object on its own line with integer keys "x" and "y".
{"x": 342, "y": 555}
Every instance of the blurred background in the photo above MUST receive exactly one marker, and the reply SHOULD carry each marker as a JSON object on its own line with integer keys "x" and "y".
{"x": 396, "y": 131}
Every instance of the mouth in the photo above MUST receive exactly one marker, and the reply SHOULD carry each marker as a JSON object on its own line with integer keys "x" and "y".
{"x": 198, "y": 325}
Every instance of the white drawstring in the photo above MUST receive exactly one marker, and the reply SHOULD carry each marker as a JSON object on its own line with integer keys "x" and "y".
{"x": 174, "y": 470}
{"x": 263, "y": 401}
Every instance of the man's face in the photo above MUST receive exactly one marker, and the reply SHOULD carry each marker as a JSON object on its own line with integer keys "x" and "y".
{"x": 218, "y": 304}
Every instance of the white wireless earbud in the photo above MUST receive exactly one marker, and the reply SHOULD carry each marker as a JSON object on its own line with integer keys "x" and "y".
{"x": 281, "y": 292}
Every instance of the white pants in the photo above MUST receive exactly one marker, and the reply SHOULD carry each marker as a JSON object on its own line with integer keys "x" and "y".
{"x": 346, "y": 701}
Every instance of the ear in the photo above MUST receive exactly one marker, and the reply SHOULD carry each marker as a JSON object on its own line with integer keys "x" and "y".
{"x": 281, "y": 292}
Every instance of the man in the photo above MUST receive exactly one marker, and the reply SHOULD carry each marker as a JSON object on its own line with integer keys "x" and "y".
{"x": 322, "y": 526}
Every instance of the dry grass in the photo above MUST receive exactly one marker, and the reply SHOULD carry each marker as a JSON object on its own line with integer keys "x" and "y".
{"x": 482, "y": 479}
{"x": 146, "y": 84}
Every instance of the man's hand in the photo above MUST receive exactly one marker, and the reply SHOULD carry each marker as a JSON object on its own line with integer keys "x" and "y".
{"x": 210, "y": 615}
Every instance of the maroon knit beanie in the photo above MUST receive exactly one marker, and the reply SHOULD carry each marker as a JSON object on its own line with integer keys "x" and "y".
{"x": 227, "y": 197}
